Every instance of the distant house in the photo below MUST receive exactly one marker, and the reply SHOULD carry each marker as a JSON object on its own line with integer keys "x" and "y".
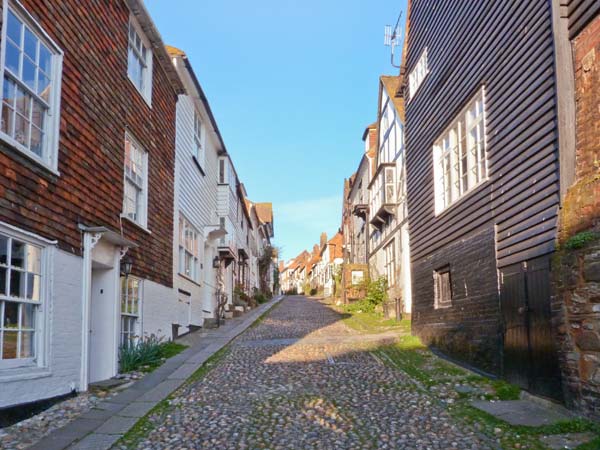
{"x": 388, "y": 214}
{"x": 331, "y": 260}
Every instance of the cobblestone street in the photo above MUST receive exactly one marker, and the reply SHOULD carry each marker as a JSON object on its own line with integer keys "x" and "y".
{"x": 302, "y": 379}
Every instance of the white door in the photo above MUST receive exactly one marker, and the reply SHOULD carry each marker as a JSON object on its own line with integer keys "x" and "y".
{"x": 103, "y": 325}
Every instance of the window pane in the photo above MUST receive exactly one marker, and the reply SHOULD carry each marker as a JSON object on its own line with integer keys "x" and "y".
{"x": 7, "y": 119}
{"x": 14, "y": 28}
{"x": 22, "y": 130}
{"x": 17, "y": 257}
{"x": 26, "y": 344}
{"x": 3, "y": 250}
{"x": 43, "y": 89}
{"x": 37, "y": 138}
{"x": 17, "y": 284}
{"x": 45, "y": 59}
{"x": 27, "y": 316}
{"x": 11, "y": 315}
{"x": 30, "y": 46}
{"x": 12, "y": 58}
{"x": 9, "y": 345}
{"x": 3, "y": 281}
{"x": 33, "y": 287}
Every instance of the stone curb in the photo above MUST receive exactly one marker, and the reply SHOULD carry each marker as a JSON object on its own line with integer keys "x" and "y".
{"x": 104, "y": 425}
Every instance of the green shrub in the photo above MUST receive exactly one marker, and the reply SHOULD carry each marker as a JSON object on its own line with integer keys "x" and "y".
{"x": 147, "y": 354}
{"x": 260, "y": 298}
{"x": 581, "y": 239}
{"x": 376, "y": 295}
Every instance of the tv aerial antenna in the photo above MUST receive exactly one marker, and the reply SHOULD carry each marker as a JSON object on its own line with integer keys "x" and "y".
{"x": 392, "y": 39}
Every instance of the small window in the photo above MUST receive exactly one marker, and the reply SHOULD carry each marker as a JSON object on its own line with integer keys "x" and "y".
{"x": 188, "y": 249}
{"x": 31, "y": 88}
{"x": 135, "y": 191}
{"x": 198, "y": 136}
{"x": 442, "y": 288}
{"x": 418, "y": 74}
{"x": 131, "y": 294}
{"x": 459, "y": 155}
{"x": 139, "y": 61}
{"x": 20, "y": 301}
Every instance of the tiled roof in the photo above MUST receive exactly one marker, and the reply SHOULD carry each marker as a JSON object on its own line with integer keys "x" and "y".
{"x": 391, "y": 83}
{"x": 264, "y": 211}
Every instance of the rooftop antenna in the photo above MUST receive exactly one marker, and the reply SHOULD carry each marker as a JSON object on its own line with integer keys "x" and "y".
{"x": 392, "y": 38}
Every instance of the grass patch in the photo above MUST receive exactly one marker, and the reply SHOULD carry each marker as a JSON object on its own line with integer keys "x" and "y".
{"x": 434, "y": 373}
{"x": 372, "y": 322}
{"x": 580, "y": 240}
{"x": 146, "y": 424}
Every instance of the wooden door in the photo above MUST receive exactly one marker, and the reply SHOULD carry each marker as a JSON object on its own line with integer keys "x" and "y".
{"x": 530, "y": 359}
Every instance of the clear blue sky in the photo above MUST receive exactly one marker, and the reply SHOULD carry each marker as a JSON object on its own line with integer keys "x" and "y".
{"x": 292, "y": 84}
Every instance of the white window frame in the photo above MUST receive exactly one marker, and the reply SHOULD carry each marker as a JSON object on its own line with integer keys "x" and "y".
{"x": 146, "y": 77}
{"x": 186, "y": 226}
{"x": 418, "y": 74}
{"x": 142, "y": 220}
{"x": 438, "y": 278}
{"x": 456, "y": 146}
{"x": 128, "y": 313}
{"x": 51, "y": 127}
{"x": 40, "y": 328}
{"x": 390, "y": 262}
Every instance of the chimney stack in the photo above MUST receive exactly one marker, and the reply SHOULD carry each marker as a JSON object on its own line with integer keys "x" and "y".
{"x": 323, "y": 239}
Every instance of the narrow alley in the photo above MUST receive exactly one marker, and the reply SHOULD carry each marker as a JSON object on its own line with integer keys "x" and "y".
{"x": 291, "y": 382}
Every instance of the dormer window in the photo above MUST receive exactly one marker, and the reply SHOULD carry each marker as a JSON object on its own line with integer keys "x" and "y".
{"x": 139, "y": 61}
{"x": 31, "y": 88}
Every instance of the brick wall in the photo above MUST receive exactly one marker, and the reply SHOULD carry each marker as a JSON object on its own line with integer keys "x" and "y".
{"x": 581, "y": 207}
{"x": 470, "y": 329}
{"x": 98, "y": 104}
{"x": 576, "y": 273}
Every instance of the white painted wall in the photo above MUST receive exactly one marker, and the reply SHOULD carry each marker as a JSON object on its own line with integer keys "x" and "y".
{"x": 63, "y": 370}
{"x": 157, "y": 310}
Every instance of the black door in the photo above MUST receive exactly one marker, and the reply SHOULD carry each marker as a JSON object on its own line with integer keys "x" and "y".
{"x": 530, "y": 359}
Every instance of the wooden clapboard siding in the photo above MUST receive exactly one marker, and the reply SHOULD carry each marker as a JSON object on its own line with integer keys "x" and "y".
{"x": 508, "y": 47}
{"x": 579, "y": 13}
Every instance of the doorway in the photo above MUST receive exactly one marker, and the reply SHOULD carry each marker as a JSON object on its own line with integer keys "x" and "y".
{"x": 530, "y": 360}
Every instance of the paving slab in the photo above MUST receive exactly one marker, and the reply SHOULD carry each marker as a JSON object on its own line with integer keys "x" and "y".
{"x": 522, "y": 412}
{"x": 116, "y": 425}
{"x": 96, "y": 441}
{"x": 184, "y": 371}
{"x": 137, "y": 409}
{"x": 567, "y": 441}
{"x": 52, "y": 443}
{"x": 161, "y": 391}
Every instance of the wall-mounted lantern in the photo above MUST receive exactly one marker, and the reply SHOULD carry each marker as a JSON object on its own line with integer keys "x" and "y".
{"x": 216, "y": 262}
{"x": 126, "y": 266}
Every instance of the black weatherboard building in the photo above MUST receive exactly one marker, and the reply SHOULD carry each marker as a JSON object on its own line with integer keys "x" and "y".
{"x": 483, "y": 183}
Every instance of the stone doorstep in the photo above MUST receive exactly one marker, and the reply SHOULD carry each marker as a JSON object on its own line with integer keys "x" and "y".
{"x": 522, "y": 412}
{"x": 95, "y": 431}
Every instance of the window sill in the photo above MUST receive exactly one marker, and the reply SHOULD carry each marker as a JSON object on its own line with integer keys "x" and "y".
{"x": 199, "y": 166}
{"x": 461, "y": 199}
{"x": 191, "y": 280}
{"x": 137, "y": 225}
{"x": 29, "y": 372}
{"x": 22, "y": 151}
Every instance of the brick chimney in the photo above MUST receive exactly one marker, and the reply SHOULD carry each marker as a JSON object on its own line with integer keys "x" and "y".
{"x": 323, "y": 239}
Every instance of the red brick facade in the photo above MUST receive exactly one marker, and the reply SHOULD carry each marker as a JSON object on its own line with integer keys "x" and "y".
{"x": 98, "y": 104}
{"x": 582, "y": 205}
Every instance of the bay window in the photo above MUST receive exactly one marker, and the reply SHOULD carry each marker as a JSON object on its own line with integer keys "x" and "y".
{"x": 30, "y": 87}
{"x": 459, "y": 155}
{"x": 390, "y": 263}
{"x": 131, "y": 294}
{"x": 20, "y": 300}
{"x": 135, "y": 191}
